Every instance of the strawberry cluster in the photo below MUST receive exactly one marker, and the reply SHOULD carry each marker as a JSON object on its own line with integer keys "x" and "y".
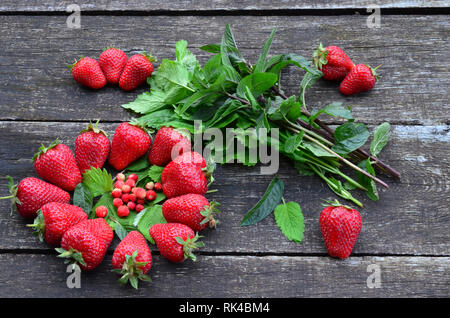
{"x": 113, "y": 67}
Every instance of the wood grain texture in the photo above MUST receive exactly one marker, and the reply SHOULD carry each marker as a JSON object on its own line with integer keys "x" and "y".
{"x": 413, "y": 89}
{"x": 234, "y": 276}
{"x": 208, "y": 5}
{"x": 411, "y": 217}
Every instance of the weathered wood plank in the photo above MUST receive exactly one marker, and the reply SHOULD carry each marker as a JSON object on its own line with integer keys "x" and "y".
{"x": 205, "y": 5}
{"x": 411, "y": 217}
{"x": 38, "y": 86}
{"x": 225, "y": 276}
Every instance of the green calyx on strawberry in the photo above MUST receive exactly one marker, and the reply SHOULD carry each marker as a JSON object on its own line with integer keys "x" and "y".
{"x": 335, "y": 203}
{"x": 71, "y": 66}
{"x": 149, "y": 57}
{"x": 320, "y": 56}
{"x": 131, "y": 271}
{"x": 72, "y": 256}
{"x": 13, "y": 188}
{"x": 374, "y": 71}
{"x": 42, "y": 150}
{"x": 189, "y": 245}
{"x": 38, "y": 226}
{"x": 95, "y": 129}
{"x": 208, "y": 213}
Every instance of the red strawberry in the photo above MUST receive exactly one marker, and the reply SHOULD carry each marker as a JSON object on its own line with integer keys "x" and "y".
{"x": 91, "y": 148}
{"x": 362, "y": 78}
{"x": 86, "y": 243}
{"x": 32, "y": 193}
{"x": 129, "y": 143}
{"x": 112, "y": 61}
{"x": 175, "y": 241}
{"x": 136, "y": 71}
{"x": 166, "y": 140}
{"x": 340, "y": 226}
{"x": 57, "y": 164}
{"x": 88, "y": 72}
{"x": 132, "y": 259}
{"x": 192, "y": 210}
{"x": 183, "y": 178}
{"x": 54, "y": 219}
{"x": 191, "y": 157}
{"x": 333, "y": 62}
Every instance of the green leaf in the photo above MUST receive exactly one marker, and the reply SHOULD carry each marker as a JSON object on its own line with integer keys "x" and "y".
{"x": 281, "y": 108}
{"x": 120, "y": 231}
{"x": 140, "y": 164}
{"x": 98, "y": 181}
{"x": 308, "y": 80}
{"x": 211, "y": 48}
{"x": 155, "y": 173}
{"x": 257, "y": 83}
{"x": 303, "y": 169}
{"x": 228, "y": 49}
{"x": 367, "y": 182}
{"x": 148, "y": 218}
{"x": 147, "y": 102}
{"x": 106, "y": 200}
{"x": 349, "y": 137}
{"x": 316, "y": 150}
{"x": 293, "y": 142}
{"x": 83, "y": 198}
{"x": 297, "y": 60}
{"x": 290, "y": 220}
{"x": 380, "y": 138}
{"x": 260, "y": 65}
{"x": 334, "y": 109}
{"x": 266, "y": 204}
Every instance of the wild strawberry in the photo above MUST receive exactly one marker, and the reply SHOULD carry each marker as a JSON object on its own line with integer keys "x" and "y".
{"x": 131, "y": 183}
{"x": 91, "y": 148}
{"x": 54, "y": 219}
{"x": 136, "y": 71}
{"x": 175, "y": 241}
{"x": 57, "y": 164}
{"x": 88, "y": 72}
{"x": 116, "y": 193}
{"x": 129, "y": 143}
{"x": 333, "y": 62}
{"x": 192, "y": 210}
{"x": 158, "y": 187}
{"x": 140, "y": 201}
{"x": 340, "y": 226}
{"x": 131, "y": 205}
{"x": 132, "y": 259}
{"x": 151, "y": 195}
{"x": 132, "y": 197}
{"x": 149, "y": 185}
{"x": 123, "y": 211}
{"x": 101, "y": 211}
{"x": 362, "y": 78}
{"x": 117, "y": 202}
{"x": 120, "y": 176}
{"x": 112, "y": 61}
{"x": 140, "y": 193}
{"x": 183, "y": 178}
{"x": 126, "y": 188}
{"x": 139, "y": 208}
{"x": 86, "y": 243}
{"x": 167, "y": 140}
{"x": 31, "y": 194}
{"x": 119, "y": 184}
{"x": 125, "y": 198}
{"x": 134, "y": 177}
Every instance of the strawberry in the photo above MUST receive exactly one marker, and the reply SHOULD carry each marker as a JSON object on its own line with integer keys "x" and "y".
{"x": 183, "y": 178}
{"x": 32, "y": 193}
{"x": 192, "y": 210}
{"x": 167, "y": 140}
{"x": 333, "y": 62}
{"x": 190, "y": 157}
{"x": 86, "y": 243}
{"x": 136, "y": 71}
{"x": 88, "y": 72}
{"x": 362, "y": 78}
{"x": 175, "y": 241}
{"x": 129, "y": 143}
{"x": 340, "y": 226}
{"x": 101, "y": 211}
{"x": 132, "y": 259}
{"x": 91, "y": 148}
{"x": 54, "y": 219}
{"x": 112, "y": 61}
{"x": 57, "y": 164}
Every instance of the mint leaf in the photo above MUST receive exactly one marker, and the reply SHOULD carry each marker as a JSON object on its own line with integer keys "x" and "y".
{"x": 284, "y": 60}
{"x": 147, "y": 218}
{"x": 257, "y": 83}
{"x": 316, "y": 150}
{"x": 98, "y": 181}
{"x": 290, "y": 220}
{"x": 155, "y": 173}
{"x": 349, "y": 137}
{"x": 260, "y": 65}
{"x": 334, "y": 109}
{"x": 266, "y": 204}
{"x": 380, "y": 138}
{"x": 367, "y": 182}
{"x": 83, "y": 198}
{"x": 293, "y": 142}
{"x": 147, "y": 102}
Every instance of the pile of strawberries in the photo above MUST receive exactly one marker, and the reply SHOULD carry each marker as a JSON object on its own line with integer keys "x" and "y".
{"x": 113, "y": 67}
{"x": 337, "y": 66}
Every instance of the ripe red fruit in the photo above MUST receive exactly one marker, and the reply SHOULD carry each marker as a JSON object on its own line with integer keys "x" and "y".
{"x": 192, "y": 210}
{"x": 333, "y": 62}
{"x": 167, "y": 140}
{"x": 158, "y": 186}
{"x": 149, "y": 185}
{"x": 129, "y": 143}
{"x": 132, "y": 197}
{"x": 136, "y": 71}
{"x": 125, "y": 198}
{"x": 340, "y": 226}
{"x": 183, "y": 178}
{"x": 132, "y": 259}
{"x": 362, "y": 78}
{"x": 54, "y": 219}
{"x": 101, "y": 211}
{"x": 121, "y": 177}
{"x": 88, "y": 72}
{"x": 116, "y": 193}
{"x": 190, "y": 157}
{"x": 151, "y": 195}
{"x": 112, "y": 61}
{"x": 175, "y": 241}
{"x": 140, "y": 193}
{"x": 119, "y": 184}
{"x": 134, "y": 177}
{"x": 131, "y": 205}
{"x": 140, "y": 201}
{"x": 57, "y": 165}
{"x": 126, "y": 188}
{"x": 91, "y": 148}
{"x": 117, "y": 202}
{"x": 86, "y": 243}
{"x": 123, "y": 211}
{"x": 139, "y": 208}
{"x": 131, "y": 183}
{"x": 31, "y": 194}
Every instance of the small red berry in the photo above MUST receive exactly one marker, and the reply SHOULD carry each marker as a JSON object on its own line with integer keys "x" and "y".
{"x": 116, "y": 193}
{"x": 123, "y": 211}
{"x": 131, "y": 205}
{"x": 158, "y": 186}
{"x": 121, "y": 177}
{"x": 140, "y": 193}
{"x": 125, "y": 198}
{"x": 140, "y": 201}
{"x": 139, "y": 208}
{"x": 101, "y": 211}
{"x": 134, "y": 177}
{"x": 132, "y": 197}
{"x": 151, "y": 195}
{"x": 133, "y": 190}
{"x": 117, "y": 202}
{"x": 119, "y": 184}
{"x": 126, "y": 188}
{"x": 150, "y": 186}
{"x": 131, "y": 183}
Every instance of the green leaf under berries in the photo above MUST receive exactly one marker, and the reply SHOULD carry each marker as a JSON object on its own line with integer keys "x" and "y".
{"x": 140, "y": 164}
{"x": 155, "y": 173}
{"x": 83, "y": 198}
{"x": 120, "y": 231}
{"x": 290, "y": 220}
{"x": 106, "y": 200}
{"x": 98, "y": 181}
{"x": 147, "y": 218}
{"x": 380, "y": 138}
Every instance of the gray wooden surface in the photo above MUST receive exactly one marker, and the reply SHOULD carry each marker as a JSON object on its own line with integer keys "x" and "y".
{"x": 406, "y": 233}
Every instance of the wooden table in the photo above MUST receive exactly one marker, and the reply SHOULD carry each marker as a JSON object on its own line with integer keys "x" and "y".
{"x": 406, "y": 233}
